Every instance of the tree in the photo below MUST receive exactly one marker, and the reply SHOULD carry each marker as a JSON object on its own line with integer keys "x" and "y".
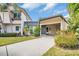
{"x": 3, "y": 7}
{"x": 26, "y": 30}
{"x": 73, "y": 9}
{"x": 37, "y": 31}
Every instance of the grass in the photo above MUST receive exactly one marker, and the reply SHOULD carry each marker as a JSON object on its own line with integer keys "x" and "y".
{"x": 11, "y": 40}
{"x": 56, "y": 51}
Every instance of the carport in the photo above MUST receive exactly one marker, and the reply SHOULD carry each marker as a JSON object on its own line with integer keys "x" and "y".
{"x": 51, "y": 25}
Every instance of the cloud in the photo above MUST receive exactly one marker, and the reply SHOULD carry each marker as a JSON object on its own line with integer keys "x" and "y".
{"x": 48, "y": 6}
{"x": 30, "y": 6}
{"x": 59, "y": 12}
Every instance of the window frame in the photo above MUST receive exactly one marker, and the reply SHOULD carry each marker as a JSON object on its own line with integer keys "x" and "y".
{"x": 17, "y": 28}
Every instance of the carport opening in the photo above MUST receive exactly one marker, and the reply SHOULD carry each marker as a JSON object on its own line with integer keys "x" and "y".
{"x": 50, "y": 29}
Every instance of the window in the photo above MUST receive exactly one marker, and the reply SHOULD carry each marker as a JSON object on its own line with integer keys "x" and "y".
{"x": 17, "y": 15}
{"x": 17, "y": 28}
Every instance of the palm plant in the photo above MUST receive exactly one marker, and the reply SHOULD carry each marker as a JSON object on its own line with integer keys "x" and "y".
{"x": 16, "y": 11}
{"x": 73, "y": 9}
{"x": 3, "y": 7}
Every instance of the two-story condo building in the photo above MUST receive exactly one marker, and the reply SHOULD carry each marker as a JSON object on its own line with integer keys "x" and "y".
{"x": 10, "y": 24}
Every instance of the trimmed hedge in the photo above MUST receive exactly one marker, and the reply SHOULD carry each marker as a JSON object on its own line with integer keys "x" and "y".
{"x": 66, "y": 39}
{"x": 8, "y": 34}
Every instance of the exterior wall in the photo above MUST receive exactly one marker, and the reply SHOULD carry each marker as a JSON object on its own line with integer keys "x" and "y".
{"x": 16, "y": 22}
{"x": 23, "y": 17}
{"x": 9, "y": 28}
{"x": 52, "y": 29}
{"x": 5, "y": 17}
{"x": 63, "y": 25}
{"x": 12, "y": 29}
{"x": 10, "y": 7}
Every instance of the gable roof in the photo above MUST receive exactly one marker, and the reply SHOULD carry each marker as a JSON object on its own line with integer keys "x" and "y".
{"x": 25, "y": 13}
{"x": 54, "y": 17}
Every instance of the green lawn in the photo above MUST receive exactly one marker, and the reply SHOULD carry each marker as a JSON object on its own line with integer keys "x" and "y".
{"x": 11, "y": 40}
{"x": 56, "y": 51}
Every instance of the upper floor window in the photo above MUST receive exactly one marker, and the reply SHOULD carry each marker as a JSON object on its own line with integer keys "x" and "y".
{"x": 17, "y": 16}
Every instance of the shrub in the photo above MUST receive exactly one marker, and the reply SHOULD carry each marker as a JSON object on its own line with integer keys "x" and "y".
{"x": 8, "y": 34}
{"x": 31, "y": 31}
{"x": 36, "y": 31}
{"x": 66, "y": 39}
{"x": 25, "y": 30}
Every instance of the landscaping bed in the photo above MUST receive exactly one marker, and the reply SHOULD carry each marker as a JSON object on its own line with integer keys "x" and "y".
{"x": 56, "y": 51}
{"x": 8, "y": 34}
{"x": 66, "y": 44}
{"x": 11, "y": 40}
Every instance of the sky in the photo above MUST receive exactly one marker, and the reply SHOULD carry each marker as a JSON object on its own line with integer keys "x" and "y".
{"x": 44, "y": 10}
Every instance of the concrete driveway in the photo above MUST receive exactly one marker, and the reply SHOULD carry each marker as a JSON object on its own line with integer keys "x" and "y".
{"x": 36, "y": 47}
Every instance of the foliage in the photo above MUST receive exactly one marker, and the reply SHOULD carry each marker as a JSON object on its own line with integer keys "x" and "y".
{"x": 37, "y": 31}
{"x": 8, "y": 34}
{"x": 16, "y": 11}
{"x": 16, "y": 7}
{"x": 26, "y": 29}
{"x": 17, "y": 14}
{"x": 73, "y": 22}
{"x": 31, "y": 30}
{"x": 66, "y": 39}
{"x": 3, "y": 7}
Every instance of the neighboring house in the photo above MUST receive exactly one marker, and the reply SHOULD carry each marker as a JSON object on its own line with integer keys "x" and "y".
{"x": 52, "y": 24}
{"x": 8, "y": 24}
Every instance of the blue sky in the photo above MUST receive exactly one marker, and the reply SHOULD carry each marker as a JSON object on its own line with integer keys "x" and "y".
{"x": 45, "y": 10}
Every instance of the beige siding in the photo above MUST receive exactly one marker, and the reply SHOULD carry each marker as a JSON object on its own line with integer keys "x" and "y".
{"x": 51, "y": 21}
{"x": 52, "y": 29}
{"x": 63, "y": 25}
